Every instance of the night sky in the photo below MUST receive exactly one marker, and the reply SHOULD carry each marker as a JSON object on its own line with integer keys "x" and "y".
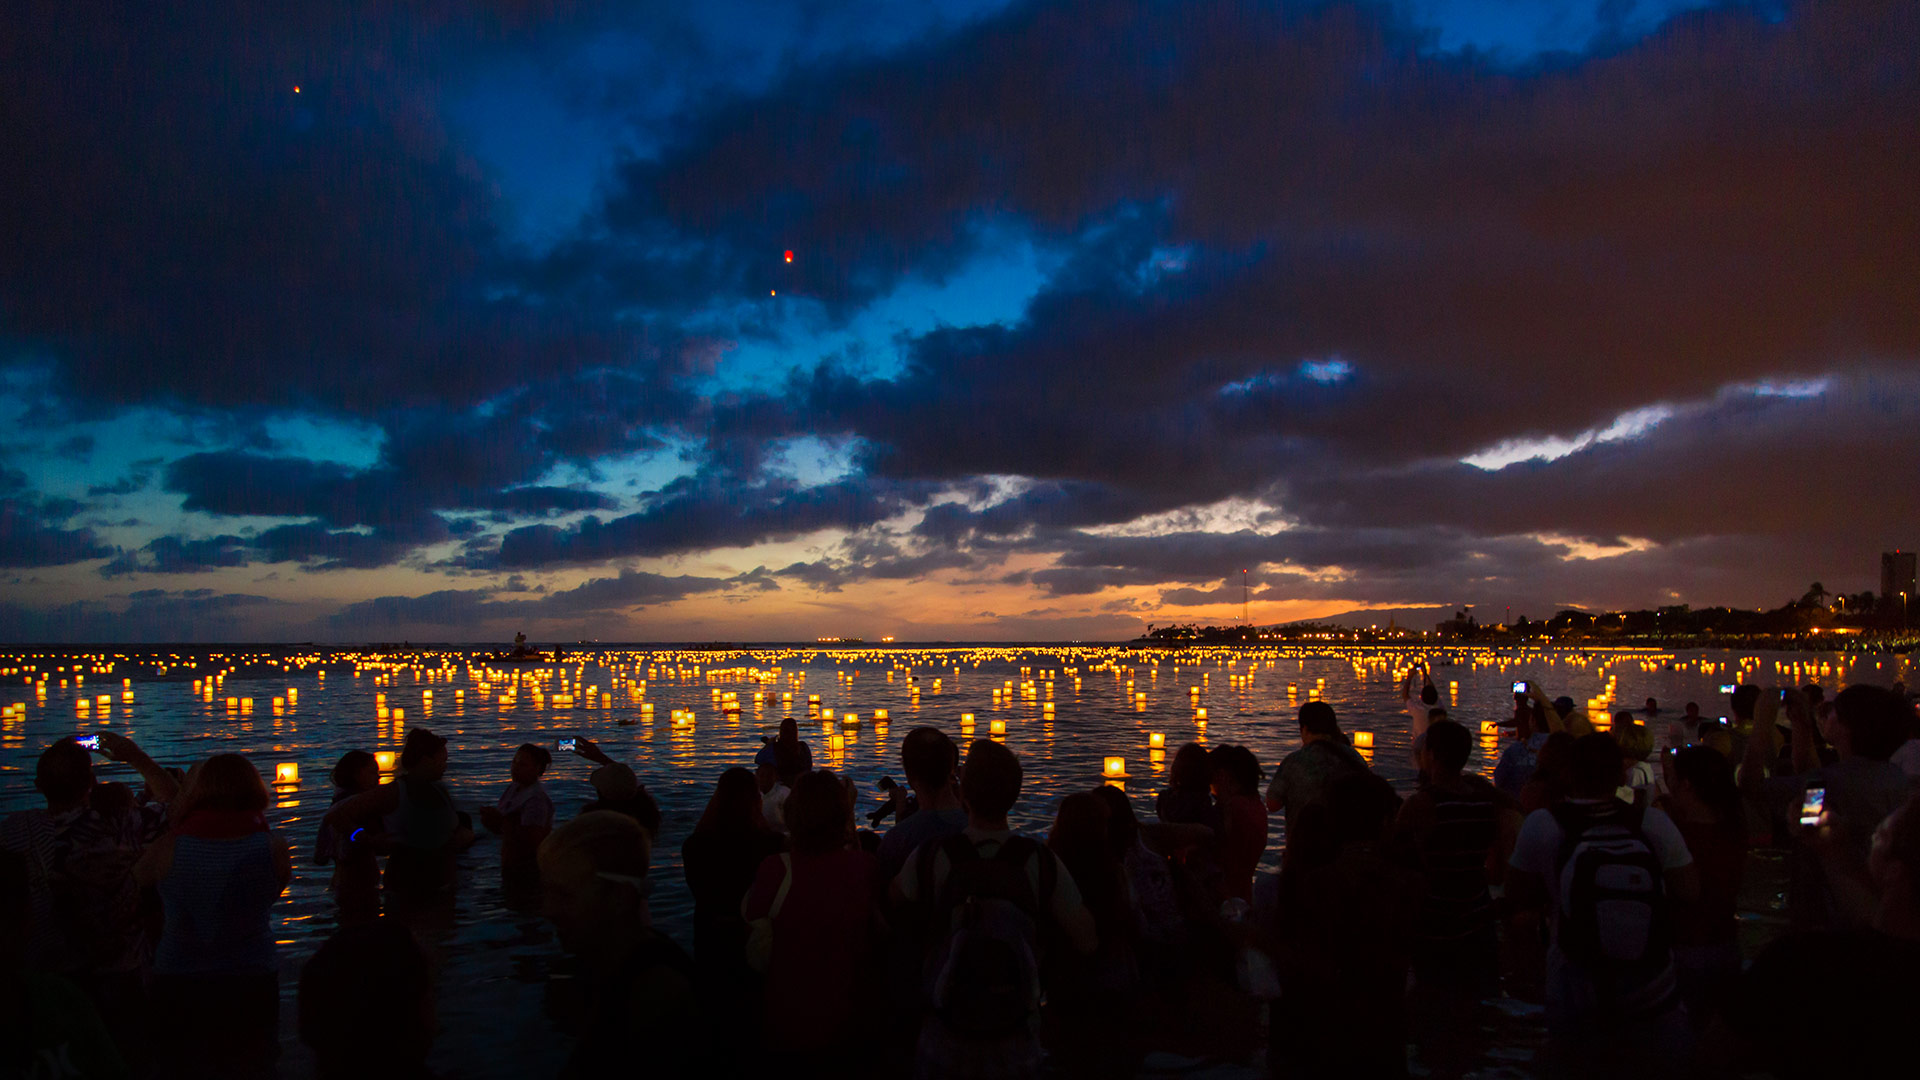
{"x": 370, "y": 321}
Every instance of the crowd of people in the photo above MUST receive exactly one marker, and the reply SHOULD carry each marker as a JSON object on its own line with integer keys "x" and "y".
{"x": 1595, "y": 872}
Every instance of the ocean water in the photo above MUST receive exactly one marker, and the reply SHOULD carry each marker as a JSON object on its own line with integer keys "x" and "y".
{"x": 494, "y": 962}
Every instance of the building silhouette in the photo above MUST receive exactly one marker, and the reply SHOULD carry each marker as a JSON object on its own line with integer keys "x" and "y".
{"x": 1896, "y": 573}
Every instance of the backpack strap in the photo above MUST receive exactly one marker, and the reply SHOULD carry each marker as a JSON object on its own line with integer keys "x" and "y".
{"x": 960, "y": 851}
{"x": 786, "y": 886}
{"x": 1015, "y": 853}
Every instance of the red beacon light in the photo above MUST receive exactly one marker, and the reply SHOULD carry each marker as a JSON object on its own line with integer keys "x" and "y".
{"x": 789, "y": 256}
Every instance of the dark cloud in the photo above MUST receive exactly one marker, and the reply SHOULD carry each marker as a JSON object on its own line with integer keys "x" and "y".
{"x": 33, "y": 528}
{"x": 476, "y": 608}
{"x": 147, "y": 615}
{"x": 699, "y": 513}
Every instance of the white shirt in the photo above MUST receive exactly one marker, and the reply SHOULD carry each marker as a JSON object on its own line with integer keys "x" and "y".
{"x": 1908, "y": 757}
{"x": 528, "y": 804}
{"x": 1537, "y": 849}
{"x": 773, "y": 806}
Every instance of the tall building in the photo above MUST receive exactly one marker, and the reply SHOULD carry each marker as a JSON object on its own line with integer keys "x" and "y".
{"x": 1897, "y": 573}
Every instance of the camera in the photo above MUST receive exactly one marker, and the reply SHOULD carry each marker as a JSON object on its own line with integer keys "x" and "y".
{"x": 569, "y": 745}
{"x": 88, "y": 742}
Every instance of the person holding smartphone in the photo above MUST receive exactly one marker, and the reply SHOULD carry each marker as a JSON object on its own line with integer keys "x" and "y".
{"x": 1866, "y": 725}
{"x": 81, "y": 905}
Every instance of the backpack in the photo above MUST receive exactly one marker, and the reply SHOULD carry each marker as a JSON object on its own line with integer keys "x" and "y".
{"x": 1614, "y": 913}
{"x": 984, "y": 978}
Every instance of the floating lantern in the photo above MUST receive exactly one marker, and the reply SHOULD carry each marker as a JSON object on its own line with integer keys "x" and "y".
{"x": 286, "y": 773}
{"x": 384, "y": 759}
{"x": 1200, "y": 715}
{"x": 838, "y": 742}
{"x": 1363, "y": 740}
{"x": 1114, "y": 768}
{"x": 1157, "y": 740}
{"x": 997, "y": 727}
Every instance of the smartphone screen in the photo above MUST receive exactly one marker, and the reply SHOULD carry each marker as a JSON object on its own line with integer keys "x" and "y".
{"x": 1728, "y": 688}
{"x": 1520, "y": 687}
{"x": 569, "y": 745}
{"x": 1813, "y": 806}
{"x": 88, "y": 742}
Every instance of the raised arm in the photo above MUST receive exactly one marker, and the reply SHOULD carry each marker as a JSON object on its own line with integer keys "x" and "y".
{"x": 587, "y": 749}
{"x": 1806, "y": 742}
{"x": 350, "y": 813}
{"x": 120, "y": 748}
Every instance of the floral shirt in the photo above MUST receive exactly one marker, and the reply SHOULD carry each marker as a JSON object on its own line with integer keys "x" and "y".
{"x": 83, "y": 904}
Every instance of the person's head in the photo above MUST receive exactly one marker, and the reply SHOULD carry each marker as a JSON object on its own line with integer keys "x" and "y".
{"x": 1080, "y": 825}
{"x": 734, "y": 805}
{"x": 1429, "y": 694}
{"x": 1192, "y": 769}
{"x": 224, "y": 783}
{"x": 366, "y": 1003}
{"x": 424, "y": 755}
{"x": 64, "y": 774}
{"x": 928, "y": 757}
{"x": 1554, "y": 764}
{"x": 1636, "y": 740}
{"x": 1894, "y": 863}
{"x": 1868, "y": 722}
{"x": 1079, "y": 838}
{"x": 789, "y": 732}
{"x": 1814, "y": 692}
{"x": 1447, "y": 749}
{"x": 593, "y": 875}
{"x": 530, "y": 763}
{"x": 1317, "y": 720}
{"x": 1693, "y": 710}
{"x": 1652, "y": 705}
{"x": 1123, "y": 828}
{"x": 356, "y": 771}
{"x": 1744, "y": 698}
{"x": 818, "y": 814}
{"x": 1698, "y": 774}
{"x": 1563, "y": 705}
{"x": 991, "y": 783}
{"x": 1361, "y": 807}
{"x": 1596, "y": 767}
{"x": 1235, "y": 771}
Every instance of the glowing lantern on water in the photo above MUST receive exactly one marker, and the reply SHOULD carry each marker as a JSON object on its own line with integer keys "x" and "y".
{"x": 1363, "y": 740}
{"x": 998, "y": 727}
{"x": 839, "y": 742}
{"x": 1489, "y": 727}
{"x": 1114, "y": 768}
{"x": 286, "y": 773}
{"x": 1157, "y": 740}
{"x": 879, "y": 716}
{"x": 384, "y": 759}
{"x": 1200, "y": 715}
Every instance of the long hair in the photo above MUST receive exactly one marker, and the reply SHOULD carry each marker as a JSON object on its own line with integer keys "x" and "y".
{"x": 225, "y": 782}
{"x": 1079, "y": 837}
{"x": 1192, "y": 770}
{"x": 818, "y": 817}
{"x": 734, "y": 805}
